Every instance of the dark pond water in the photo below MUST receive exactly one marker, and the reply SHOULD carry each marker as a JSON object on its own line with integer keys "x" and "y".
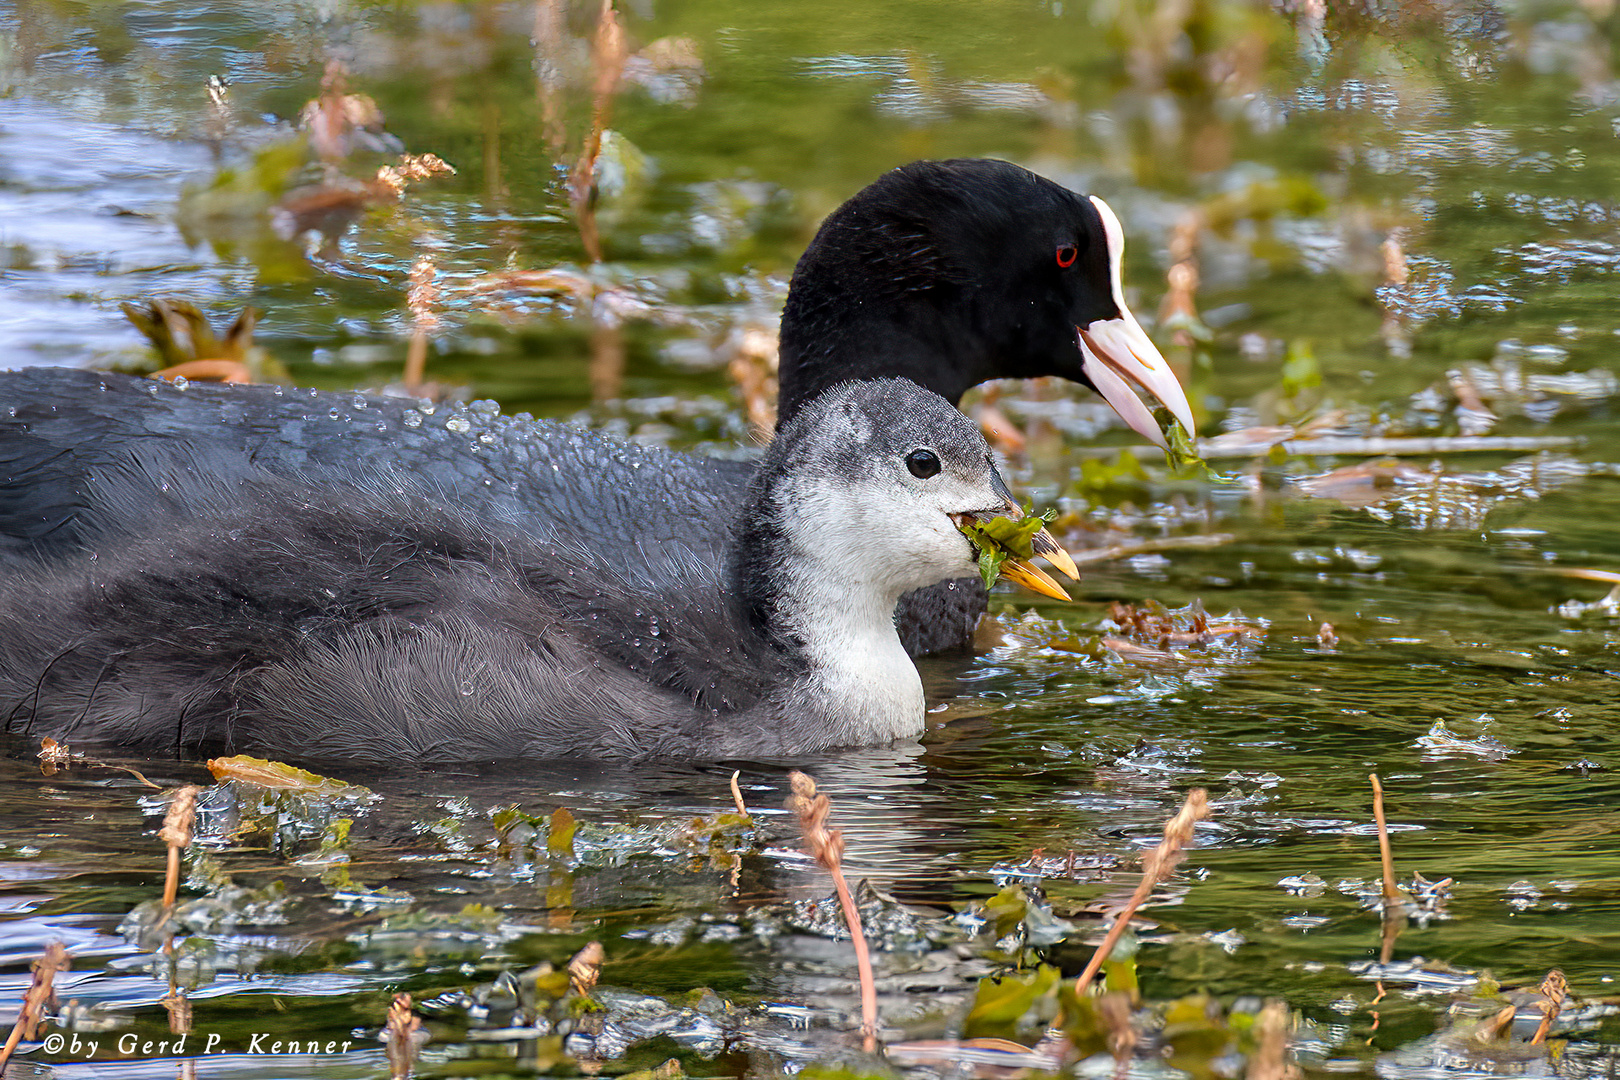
{"x": 1405, "y": 225}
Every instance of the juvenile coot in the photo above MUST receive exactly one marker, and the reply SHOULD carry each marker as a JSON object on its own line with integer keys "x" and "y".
{"x": 375, "y": 620}
{"x": 945, "y": 273}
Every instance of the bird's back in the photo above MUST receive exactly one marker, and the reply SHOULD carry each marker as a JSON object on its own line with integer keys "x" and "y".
{"x": 90, "y": 460}
{"x": 87, "y": 458}
{"x": 371, "y": 621}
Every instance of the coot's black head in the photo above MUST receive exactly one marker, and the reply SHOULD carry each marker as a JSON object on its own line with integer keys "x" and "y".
{"x": 950, "y": 273}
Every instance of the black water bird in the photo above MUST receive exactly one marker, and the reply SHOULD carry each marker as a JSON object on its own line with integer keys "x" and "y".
{"x": 375, "y": 620}
{"x": 945, "y": 273}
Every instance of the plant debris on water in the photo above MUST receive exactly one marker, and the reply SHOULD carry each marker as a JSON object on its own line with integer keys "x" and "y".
{"x": 1182, "y": 451}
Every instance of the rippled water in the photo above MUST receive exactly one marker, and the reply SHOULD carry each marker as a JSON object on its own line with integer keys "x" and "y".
{"x": 1405, "y": 227}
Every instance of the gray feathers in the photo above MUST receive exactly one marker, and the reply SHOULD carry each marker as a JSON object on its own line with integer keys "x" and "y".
{"x": 939, "y": 272}
{"x": 371, "y": 619}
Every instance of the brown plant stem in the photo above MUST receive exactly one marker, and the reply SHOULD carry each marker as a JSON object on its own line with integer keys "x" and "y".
{"x": 1497, "y": 1027}
{"x": 178, "y": 1006}
{"x": 1553, "y": 988}
{"x": 736, "y": 793}
{"x": 1393, "y": 922}
{"x": 1390, "y": 891}
{"x": 176, "y": 833}
{"x": 402, "y": 1034}
{"x": 606, "y": 367}
{"x": 421, "y": 295}
{"x": 226, "y": 371}
{"x": 1269, "y": 1061}
{"x": 1393, "y": 918}
{"x": 415, "y": 361}
{"x": 549, "y": 17}
{"x": 863, "y": 960}
{"x": 608, "y": 53}
{"x": 827, "y": 847}
{"x": 1156, "y": 866}
{"x": 585, "y": 968}
{"x": 36, "y": 999}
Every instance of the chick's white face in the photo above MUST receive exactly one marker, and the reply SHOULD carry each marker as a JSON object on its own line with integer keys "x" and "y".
{"x": 879, "y": 511}
{"x": 892, "y": 529}
{"x": 960, "y": 488}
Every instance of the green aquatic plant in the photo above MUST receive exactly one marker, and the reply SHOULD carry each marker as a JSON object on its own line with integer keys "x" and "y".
{"x": 1002, "y": 538}
{"x": 1182, "y": 450}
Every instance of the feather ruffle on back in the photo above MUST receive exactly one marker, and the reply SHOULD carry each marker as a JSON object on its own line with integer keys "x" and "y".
{"x": 373, "y": 621}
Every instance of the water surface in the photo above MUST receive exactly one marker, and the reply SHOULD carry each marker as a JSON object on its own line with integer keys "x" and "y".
{"x": 1404, "y": 225}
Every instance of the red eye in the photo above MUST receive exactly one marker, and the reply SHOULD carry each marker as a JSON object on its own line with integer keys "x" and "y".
{"x": 1066, "y": 254}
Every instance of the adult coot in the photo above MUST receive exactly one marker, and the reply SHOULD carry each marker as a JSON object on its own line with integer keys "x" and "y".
{"x": 945, "y": 273}
{"x": 374, "y": 619}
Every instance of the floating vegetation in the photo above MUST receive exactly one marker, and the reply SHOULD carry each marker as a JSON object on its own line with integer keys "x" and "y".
{"x": 188, "y": 348}
{"x": 1151, "y": 633}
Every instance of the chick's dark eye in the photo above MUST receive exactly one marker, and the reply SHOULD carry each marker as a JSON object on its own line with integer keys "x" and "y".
{"x": 923, "y": 463}
{"x": 1066, "y": 254}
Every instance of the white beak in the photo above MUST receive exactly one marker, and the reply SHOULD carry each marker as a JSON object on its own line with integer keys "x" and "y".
{"x": 1118, "y": 352}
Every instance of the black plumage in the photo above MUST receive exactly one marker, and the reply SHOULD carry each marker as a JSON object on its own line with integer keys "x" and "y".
{"x": 943, "y": 272}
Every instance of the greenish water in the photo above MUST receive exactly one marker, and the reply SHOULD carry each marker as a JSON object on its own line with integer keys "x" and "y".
{"x": 1463, "y": 667}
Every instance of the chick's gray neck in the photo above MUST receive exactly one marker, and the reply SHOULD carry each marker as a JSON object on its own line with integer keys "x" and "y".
{"x": 809, "y": 589}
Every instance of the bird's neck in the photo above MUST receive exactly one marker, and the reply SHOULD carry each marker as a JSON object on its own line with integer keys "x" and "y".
{"x": 831, "y": 334}
{"x": 858, "y": 676}
{"x": 810, "y": 592}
